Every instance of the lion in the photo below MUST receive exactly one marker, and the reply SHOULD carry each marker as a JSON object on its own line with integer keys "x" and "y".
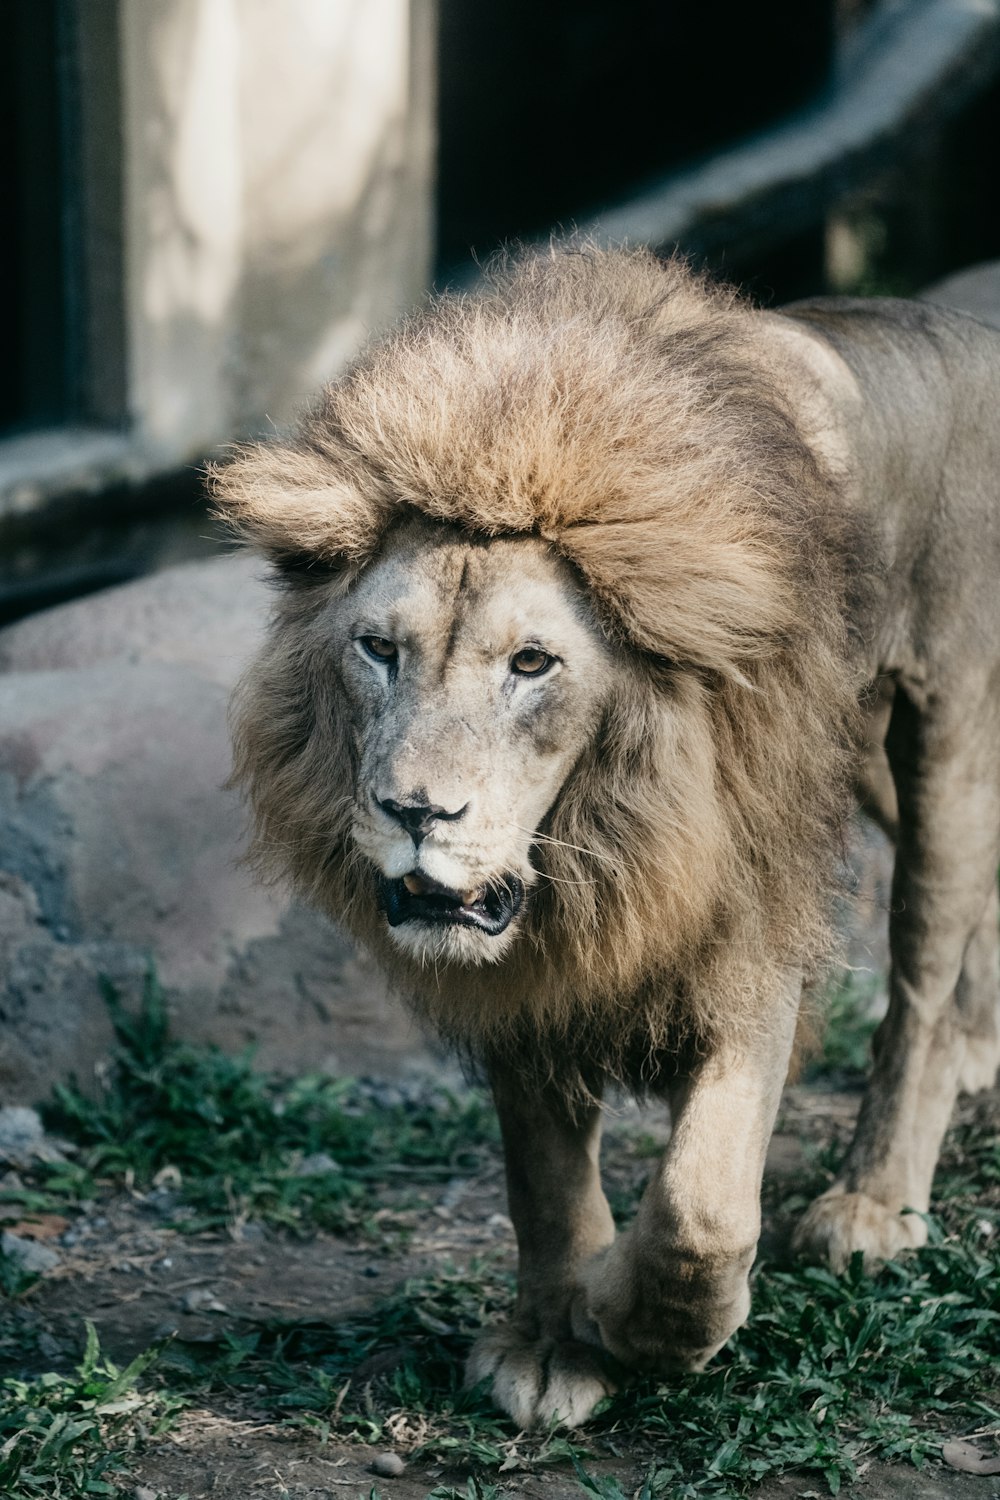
{"x": 601, "y": 591}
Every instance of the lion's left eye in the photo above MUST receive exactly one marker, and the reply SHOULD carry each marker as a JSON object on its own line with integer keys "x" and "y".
{"x": 377, "y": 647}
{"x": 531, "y": 662}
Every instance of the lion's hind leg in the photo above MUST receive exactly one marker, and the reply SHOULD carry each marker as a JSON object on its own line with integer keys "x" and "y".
{"x": 540, "y": 1373}
{"x": 977, "y": 995}
{"x": 941, "y": 996}
{"x": 977, "y": 999}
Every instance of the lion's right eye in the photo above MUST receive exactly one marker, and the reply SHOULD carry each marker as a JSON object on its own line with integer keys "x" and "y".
{"x": 378, "y": 648}
{"x": 531, "y": 662}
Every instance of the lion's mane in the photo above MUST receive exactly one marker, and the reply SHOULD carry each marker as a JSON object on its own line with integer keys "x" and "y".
{"x": 619, "y": 407}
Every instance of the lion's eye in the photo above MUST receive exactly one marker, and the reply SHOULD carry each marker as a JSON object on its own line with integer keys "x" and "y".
{"x": 378, "y": 648}
{"x": 531, "y": 662}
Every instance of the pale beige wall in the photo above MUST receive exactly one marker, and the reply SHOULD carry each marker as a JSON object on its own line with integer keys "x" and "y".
{"x": 278, "y": 180}
{"x": 278, "y": 183}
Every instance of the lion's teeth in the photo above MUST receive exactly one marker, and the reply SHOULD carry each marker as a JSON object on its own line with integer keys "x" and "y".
{"x": 471, "y": 897}
{"x": 414, "y": 885}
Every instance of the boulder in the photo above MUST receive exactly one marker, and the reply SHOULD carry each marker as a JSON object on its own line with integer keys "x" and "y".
{"x": 975, "y": 290}
{"x": 120, "y": 846}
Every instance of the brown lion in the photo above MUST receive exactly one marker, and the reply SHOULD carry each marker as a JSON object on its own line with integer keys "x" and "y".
{"x": 600, "y": 589}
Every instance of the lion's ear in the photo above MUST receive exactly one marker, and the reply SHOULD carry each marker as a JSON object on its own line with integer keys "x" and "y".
{"x": 294, "y": 507}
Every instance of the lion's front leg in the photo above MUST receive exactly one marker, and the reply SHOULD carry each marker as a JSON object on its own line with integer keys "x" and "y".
{"x": 675, "y": 1286}
{"x": 540, "y": 1372}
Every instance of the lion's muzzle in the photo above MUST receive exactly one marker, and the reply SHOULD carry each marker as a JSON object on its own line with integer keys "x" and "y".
{"x": 415, "y": 898}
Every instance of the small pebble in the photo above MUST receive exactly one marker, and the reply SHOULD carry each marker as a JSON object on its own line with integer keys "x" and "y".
{"x": 22, "y": 1138}
{"x": 143, "y": 1492}
{"x": 317, "y": 1164}
{"x": 388, "y": 1465}
{"x": 29, "y": 1254}
{"x": 201, "y": 1300}
{"x": 253, "y": 1231}
{"x": 21, "y": 1130}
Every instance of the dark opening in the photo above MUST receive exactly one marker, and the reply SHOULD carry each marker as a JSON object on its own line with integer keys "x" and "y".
{"x": 61, "y": 274}
{"x": 34, "y": 384}
{"x": 547, "y": 112}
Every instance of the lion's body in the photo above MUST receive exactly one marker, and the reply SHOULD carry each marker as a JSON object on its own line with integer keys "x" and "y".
{"x": 585, "y": 578}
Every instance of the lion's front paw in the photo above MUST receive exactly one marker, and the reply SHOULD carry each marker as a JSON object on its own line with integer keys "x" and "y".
{"x": 670, "y": 1315}
{"x": 839, "y": 1223}
{"x": 540, "y": 1382}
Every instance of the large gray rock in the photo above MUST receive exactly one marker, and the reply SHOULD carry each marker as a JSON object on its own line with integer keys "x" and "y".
{"x": 119, "y": 846}
{"x": 975, "y": 290}
{"x": 205, "y": 616}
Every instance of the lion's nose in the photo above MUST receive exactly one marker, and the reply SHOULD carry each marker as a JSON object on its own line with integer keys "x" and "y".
{"x": 418, "y": 817}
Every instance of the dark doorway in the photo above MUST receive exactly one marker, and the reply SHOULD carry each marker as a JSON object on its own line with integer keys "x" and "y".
{"x": 549, "y": 111}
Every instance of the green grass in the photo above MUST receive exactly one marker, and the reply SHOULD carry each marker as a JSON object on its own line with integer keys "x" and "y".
{"x": 230, "y": 1143}
{"x": 847, "y": 1020}
{"x": 829, "y": 1371}
{"x": 65, "y": 1436}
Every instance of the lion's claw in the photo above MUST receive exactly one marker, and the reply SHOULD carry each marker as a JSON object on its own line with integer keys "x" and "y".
{"x": 539, "y": 1382}
{"x": 839, "y": 1223}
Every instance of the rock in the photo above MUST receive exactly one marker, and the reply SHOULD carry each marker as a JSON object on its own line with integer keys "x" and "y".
{"x": 201, "y": 1300}
{"x": 30, "y": 1256}
{"x": 23, "y": 1139}
{"x": 316, "y": 1164}
{"x": 119, "y": 846}
{"x": 204, "y": 616}
{"x": 388, "y": 1465}
{"x": 975, "y": 290}
{"x": 21, "y": 1134}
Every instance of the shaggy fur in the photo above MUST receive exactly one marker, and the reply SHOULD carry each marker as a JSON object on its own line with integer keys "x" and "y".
{"x": 616, "y": 406}
{"x": 606, "y": 462}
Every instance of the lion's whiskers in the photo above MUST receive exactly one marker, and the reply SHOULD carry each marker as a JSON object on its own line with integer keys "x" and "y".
{"x": 546, "y": 838}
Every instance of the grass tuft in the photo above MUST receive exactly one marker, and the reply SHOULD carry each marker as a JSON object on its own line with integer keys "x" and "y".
{"x": 847, "y": 1016}
{"x": 231, "y": 1143}
{"x": 64, "y": 1436}
{"x": 830, "y": 1371}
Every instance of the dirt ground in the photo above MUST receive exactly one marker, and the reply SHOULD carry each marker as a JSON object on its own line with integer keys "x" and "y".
{"x": 139, "y": 1279}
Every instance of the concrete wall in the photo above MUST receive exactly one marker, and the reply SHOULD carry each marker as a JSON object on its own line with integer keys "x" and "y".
{"x": 276, "y": 169}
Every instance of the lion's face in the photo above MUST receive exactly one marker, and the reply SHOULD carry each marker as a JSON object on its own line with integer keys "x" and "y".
{"x": 476, "y": 674}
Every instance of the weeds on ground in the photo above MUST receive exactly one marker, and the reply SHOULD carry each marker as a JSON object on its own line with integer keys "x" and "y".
{"x": 830, "y": 1370}
{"x": 846, "y": 1018}
{"x": 64, "y": 1436}
{"x": 230, "y": 1143}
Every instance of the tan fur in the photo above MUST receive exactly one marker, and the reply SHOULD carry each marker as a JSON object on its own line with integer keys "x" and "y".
{"x": 731, "y": 524}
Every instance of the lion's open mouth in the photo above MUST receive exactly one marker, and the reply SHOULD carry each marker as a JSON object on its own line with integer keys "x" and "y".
{"x": 414, "y": 898}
